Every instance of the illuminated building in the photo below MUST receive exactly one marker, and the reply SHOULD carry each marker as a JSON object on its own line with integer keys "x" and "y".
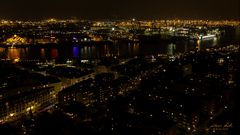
{"x": 46, "y": 40}
{"x": 14, "y": 107}
{"x": 16, "y": 40}
{"x": 81, "y": 92}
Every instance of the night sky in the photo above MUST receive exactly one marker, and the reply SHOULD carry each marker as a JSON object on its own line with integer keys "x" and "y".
{"x": 120, "y": 9}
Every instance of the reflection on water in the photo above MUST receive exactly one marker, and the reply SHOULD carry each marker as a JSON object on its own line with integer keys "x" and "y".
{"x": 13, "y": 53}
{"x": 2, "y": 53}
{"x": 54, "y": 53}
{"x": 215, "y": 41}
{"x": 85, "y": 52}
{"x": 75, "y": 52}
{"x": 98, "y": 51}
{"x": 136, "y": 49}
{"x": 171, "y": 49}
{"x": 42, "y": 53}
{"x": 198, "y": 45}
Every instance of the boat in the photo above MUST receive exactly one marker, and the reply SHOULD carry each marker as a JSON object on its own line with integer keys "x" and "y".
{"x": 207, "y": 37}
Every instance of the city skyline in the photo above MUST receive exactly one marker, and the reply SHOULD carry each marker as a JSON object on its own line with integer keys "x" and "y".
{"x": 106, "y": 9}
{"x": 70, "y": 67}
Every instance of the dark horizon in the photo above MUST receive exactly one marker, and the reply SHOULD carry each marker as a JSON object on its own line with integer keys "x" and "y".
{"x": 106, "y": 9}
{"x": 111, "y": 19}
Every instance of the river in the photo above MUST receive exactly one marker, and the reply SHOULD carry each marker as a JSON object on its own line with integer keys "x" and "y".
{"x": 119, "y": 49}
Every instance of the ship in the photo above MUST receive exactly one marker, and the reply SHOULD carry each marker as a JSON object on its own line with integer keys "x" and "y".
{"x": 207, "y": 37}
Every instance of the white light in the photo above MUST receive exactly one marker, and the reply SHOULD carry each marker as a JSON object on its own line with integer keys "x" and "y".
{"x": 28, "y": 109}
